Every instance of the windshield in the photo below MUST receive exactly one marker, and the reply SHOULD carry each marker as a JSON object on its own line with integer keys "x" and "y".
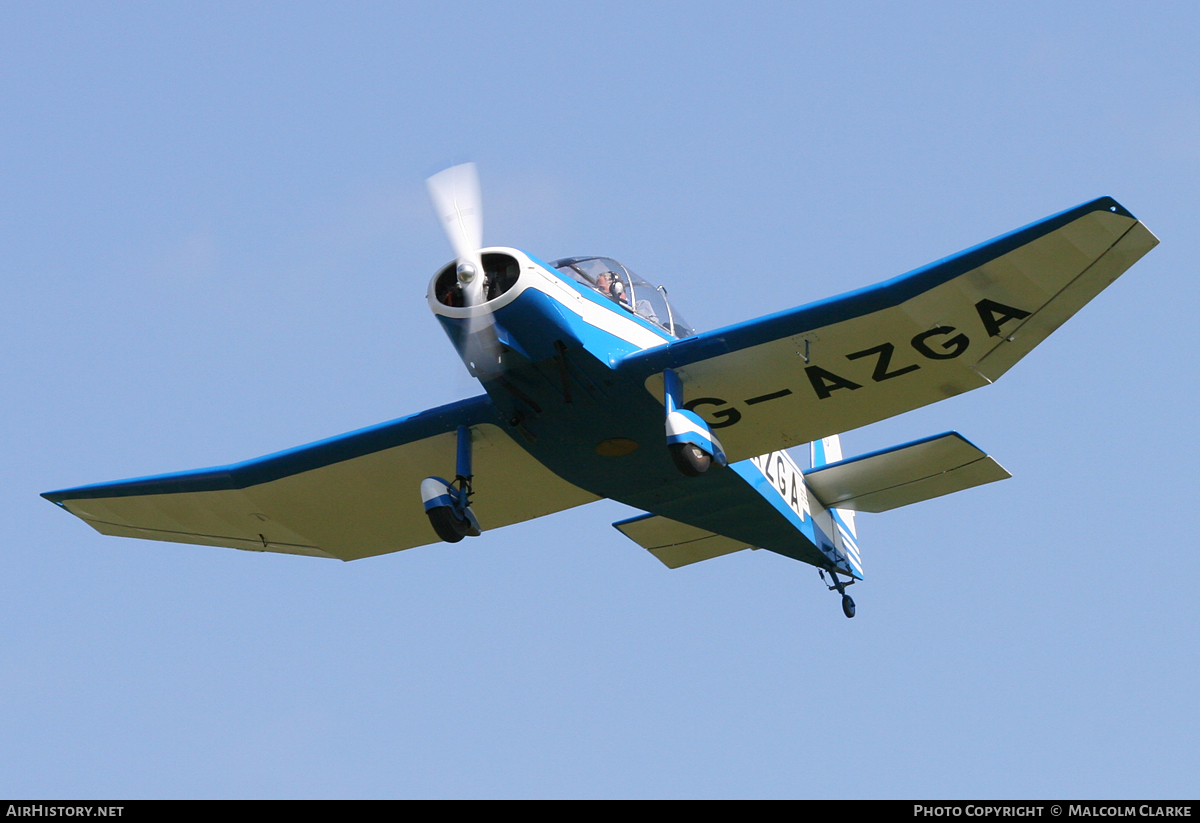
{"x": 609, "y": 278}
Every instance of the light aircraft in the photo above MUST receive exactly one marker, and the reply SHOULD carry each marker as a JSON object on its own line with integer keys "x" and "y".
{"x": 596, "y": 387}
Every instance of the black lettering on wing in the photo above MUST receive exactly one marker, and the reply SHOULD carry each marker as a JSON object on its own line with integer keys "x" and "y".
{"x": 885, "y": 351}
{"x": 825, "y": 382}
{"x": 950, "y": 348}
{"x": 994, "y": 315}
{"x": 763, "y": 398}
{"x": 728, "y": 417}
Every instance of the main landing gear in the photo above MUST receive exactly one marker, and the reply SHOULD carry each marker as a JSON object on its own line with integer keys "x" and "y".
{"x": 451, "y": 521}
{"x": 690, "y": 459}
{"x": 448, "y": 504}
{"x": 690, "y": 441}
{"x": 847, "y": 600}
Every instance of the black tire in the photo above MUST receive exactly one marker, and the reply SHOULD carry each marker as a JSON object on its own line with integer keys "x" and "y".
{"x": 847, "y": 605}
{"x": 448, "y": 527}
{"x": 690, "y": 459}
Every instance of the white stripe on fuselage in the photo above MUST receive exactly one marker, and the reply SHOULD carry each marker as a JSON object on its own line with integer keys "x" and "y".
{"x": 614, "y": 320}
{"x": 611, "y": 319}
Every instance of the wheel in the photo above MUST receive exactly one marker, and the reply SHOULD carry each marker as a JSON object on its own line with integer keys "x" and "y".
{"x": 690, "y": 459}
{"x": 448, "y": 527}
{"x": 848, "y": 605}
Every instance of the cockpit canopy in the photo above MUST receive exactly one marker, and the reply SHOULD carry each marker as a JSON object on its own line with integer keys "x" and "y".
{"x": 609, "y": 278}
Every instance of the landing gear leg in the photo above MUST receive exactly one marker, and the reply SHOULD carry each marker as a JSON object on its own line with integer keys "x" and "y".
{"x": 847, "y": 600}
{"x": 448, "y": 505}
{"x": 690, "y": 441}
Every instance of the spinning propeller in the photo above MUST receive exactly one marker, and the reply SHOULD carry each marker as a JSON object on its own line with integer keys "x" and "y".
{"x": 455, "y": 195}
{"x": 456, "y": 198}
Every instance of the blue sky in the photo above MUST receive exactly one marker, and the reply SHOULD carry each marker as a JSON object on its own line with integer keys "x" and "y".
{"x": 215, "y": 241}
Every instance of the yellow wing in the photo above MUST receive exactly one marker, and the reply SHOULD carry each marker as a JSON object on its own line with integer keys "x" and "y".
{"x": 348, "y": 497}
{"x": 799, "y": 375}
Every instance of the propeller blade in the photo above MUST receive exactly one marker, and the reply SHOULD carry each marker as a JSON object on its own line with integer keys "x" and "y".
{"x": 483, "y": 349}
{"x": 455, "y": 194}
{"x": 457, "y": 200}
{"x": 459, "y": 206}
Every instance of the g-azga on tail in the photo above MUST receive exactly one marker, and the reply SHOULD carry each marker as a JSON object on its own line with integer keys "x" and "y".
{"x": 595, "y": 386}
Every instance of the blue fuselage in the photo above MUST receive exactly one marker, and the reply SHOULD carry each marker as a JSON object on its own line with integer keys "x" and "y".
{"x": 562, "y": 396}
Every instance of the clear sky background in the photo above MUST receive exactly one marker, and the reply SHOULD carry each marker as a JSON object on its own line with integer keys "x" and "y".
{"x": 215, "y": 243}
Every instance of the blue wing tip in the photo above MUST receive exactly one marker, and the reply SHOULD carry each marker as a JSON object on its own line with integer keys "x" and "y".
{"x": 1110, "y": 204}
{"x": 644, "y": 516}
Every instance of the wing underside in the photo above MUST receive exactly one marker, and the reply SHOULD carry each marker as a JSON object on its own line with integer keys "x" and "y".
{"x": 953, "y": 326}
{"x": 348, "y": 497}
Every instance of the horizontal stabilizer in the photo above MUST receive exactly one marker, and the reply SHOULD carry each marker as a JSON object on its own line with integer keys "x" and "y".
{"x": 676, "y": 544}
{"x": 910, "y": 473}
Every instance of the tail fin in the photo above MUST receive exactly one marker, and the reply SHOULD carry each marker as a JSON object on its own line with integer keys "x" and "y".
{"x": 845, "y": 538}
{"x": 826, "y": 451}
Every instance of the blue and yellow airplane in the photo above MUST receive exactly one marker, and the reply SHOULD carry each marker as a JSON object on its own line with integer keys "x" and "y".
{"x": 596, "y": 387}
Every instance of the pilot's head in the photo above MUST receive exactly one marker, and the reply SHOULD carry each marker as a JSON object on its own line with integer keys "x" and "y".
{"x": 610, "y": 285}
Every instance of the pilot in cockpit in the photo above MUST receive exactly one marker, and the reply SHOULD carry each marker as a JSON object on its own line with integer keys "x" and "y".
{"x": 610, "y": 286}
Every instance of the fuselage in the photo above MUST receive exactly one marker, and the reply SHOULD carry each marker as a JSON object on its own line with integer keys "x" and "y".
{"x": 557, "y": 344}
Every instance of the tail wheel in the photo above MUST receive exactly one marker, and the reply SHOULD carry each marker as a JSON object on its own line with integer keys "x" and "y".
{"x": 448, "y": 527}
{"x": 690, "y": 459}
